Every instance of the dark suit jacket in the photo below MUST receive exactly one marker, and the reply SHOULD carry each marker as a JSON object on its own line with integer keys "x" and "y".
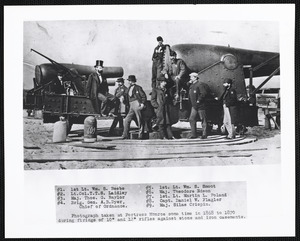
{"x": 231, "y": 101}
{"x": 161, "y": 101}
{"x": 94, "y": 87}
{"x": 197, "y": 95}
{"x": 121, "y": 91}
{"x": 138, "y": 93}
{"x": 57, "y": 87}
{"x": 158, "y": 52}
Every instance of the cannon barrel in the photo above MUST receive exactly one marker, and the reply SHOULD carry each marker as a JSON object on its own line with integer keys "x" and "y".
{"x": 44, "y": 73}
{"x": 200, "y": 56}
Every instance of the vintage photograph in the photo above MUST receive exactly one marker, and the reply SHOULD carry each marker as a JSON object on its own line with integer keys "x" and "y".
{"x": 120, "y": 123}
{"x": 150, "y": 93}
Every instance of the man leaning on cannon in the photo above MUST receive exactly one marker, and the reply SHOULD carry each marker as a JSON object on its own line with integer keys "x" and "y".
{"x": 97, "y": 91}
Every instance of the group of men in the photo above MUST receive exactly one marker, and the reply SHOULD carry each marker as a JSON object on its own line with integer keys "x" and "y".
{"x": 167, "y": 83}
{"x": 176, "y": 75}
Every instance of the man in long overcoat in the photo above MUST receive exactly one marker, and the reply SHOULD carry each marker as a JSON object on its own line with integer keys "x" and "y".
{"x": 97, "y": 90}
{"x": 178, "y": 72}
{"x": 161, "y": 101}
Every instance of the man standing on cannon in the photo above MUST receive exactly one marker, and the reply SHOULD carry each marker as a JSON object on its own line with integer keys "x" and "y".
{"x": 178, "y": 72}
{"x": 97, "y": 90}
{"x": 157, "y": 61}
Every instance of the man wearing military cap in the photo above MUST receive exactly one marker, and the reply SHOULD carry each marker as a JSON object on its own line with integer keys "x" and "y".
{"x": 137, "y": 100}
{"x": 197, "y": 98}
{"x": 97, "y": 90}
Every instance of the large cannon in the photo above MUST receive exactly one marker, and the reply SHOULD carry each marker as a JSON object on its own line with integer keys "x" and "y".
{"x": 216, "y": 63}
{"x": 74, "y": 107}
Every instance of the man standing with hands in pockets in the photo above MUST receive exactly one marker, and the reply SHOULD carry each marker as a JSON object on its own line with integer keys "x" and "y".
{"x": 137, "y": 100}
{"x": 197, "y": 96}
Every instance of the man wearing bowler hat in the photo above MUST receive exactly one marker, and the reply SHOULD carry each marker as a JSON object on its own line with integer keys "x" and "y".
{"x": 157, "y": 60}
{"x": 97, "y": 90}
{"x": 137, "y": 100}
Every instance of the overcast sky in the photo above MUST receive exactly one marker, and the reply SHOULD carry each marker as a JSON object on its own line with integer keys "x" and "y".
{"x": 130, "y": 43}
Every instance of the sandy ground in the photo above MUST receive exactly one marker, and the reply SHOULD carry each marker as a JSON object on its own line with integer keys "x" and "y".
{"x": 38, "y": 138}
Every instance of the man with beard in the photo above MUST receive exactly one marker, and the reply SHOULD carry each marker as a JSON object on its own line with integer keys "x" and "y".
{"x": 97, "y": 90}
{"x": 178, "y": 72}
{"x": 161, "y": 101}
{"x": 137, "y": 100}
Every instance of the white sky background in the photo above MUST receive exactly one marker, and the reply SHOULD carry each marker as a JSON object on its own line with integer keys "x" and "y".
{"x": 130, "y": 43}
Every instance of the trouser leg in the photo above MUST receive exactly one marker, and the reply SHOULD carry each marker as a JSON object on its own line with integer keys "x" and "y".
{"x": 233, "y": 130}
{"x": 113, "y": 126}
{"x": 154, "y": 74}
{"x": 193, "y": 122}
{"x": 128, "y": 119}
{"x": 169, "y": 131}
{"x": 138, "y": 114}
{"x": 227, "y": 121}
{"x": 177, "y": 86}
{"x": 103, "y": 99}
{"x": 113, "y": 103}
{"x": 121, "y": 123}
{"x": 161, "y": 131}
{"x": 202, "y": 114}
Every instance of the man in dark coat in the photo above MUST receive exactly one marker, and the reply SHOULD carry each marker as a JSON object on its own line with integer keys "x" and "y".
{"x": 197, "y": 97}
{"x": 178, "y": 72}
{"x": 57, "y": 85}
{"x": 97, "y": 90}
{"x": 137, "y": 100}
{"x": 161, "y": 101}
{"x": 230, "y": 102}
{"x": 121, "y": 94}
{"x": 157, "y": 60}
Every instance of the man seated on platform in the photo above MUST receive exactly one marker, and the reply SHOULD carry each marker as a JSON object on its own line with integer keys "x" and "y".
{"x": 97, "y": 90}
{"x": 57, "y": 85}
